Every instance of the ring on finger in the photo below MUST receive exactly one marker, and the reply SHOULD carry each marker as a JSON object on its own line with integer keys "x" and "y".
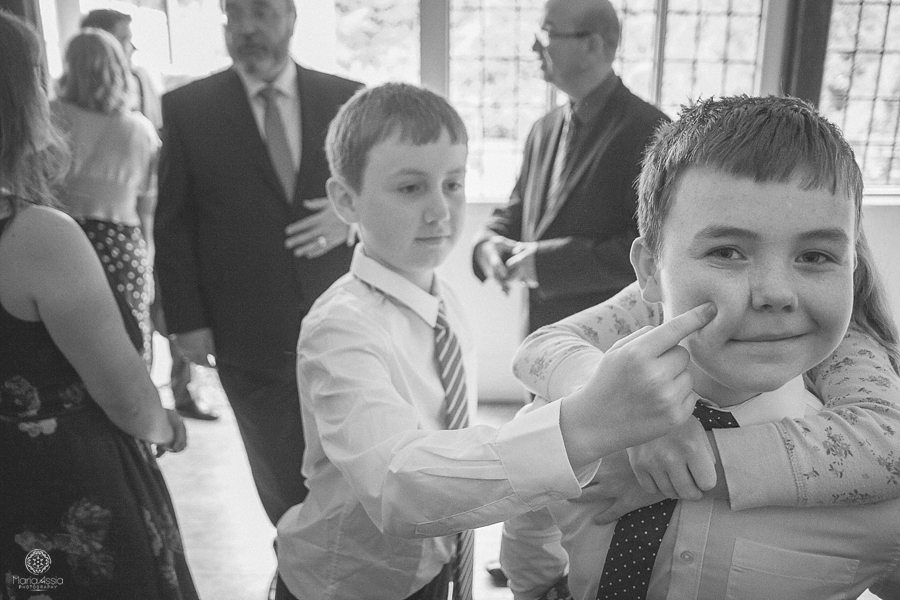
{"x": 321, "y": 241}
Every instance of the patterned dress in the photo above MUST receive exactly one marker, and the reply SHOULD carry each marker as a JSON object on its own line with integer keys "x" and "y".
{"x": 84, "y": 510}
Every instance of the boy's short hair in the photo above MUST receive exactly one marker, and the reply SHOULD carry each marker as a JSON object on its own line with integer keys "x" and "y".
{"x": 373, "y": 115}
{"x": 764, "y": 138}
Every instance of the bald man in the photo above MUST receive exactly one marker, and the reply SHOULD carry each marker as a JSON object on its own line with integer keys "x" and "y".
{"x": 567, "y": 229}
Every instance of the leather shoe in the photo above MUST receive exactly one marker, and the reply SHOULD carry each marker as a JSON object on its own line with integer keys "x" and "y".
{"x": 196, "y": 410}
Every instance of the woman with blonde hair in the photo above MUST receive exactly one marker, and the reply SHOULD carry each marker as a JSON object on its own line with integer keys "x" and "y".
{"x": 84, "y": 510}
{"x": 111, "y": 187}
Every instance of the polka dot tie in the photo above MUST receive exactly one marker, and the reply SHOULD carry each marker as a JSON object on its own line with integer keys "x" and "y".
{"x": 636, "y": 539}
{"x": 456, "y": 413}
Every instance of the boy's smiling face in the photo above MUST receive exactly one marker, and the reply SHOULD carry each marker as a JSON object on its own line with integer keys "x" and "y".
{"x": 410, "y": 206}
{"x": 777, "y": 261}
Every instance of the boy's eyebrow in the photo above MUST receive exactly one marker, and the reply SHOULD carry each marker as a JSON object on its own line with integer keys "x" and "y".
{"x": 831, "y": 234}
{"x": 411, "y": 171}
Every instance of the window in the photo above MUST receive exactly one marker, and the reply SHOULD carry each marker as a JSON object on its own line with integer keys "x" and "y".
{"x": 861, "y": 84}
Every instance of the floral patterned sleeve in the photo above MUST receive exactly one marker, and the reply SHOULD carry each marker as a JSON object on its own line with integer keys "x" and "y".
{"x": 849, "y": 453}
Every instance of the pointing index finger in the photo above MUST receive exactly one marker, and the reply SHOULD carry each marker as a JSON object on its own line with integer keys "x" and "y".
{"x": 667, "y": 335}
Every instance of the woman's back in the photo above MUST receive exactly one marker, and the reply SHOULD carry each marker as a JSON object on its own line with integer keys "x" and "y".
{"x": 113, "y": 162}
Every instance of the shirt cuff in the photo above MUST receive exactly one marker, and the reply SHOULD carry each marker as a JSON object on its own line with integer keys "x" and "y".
{"x": 534, "y": 457}
{"x": 754, "y": 466}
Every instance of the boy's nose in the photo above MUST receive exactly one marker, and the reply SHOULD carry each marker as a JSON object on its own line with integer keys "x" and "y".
{"x": 438, "y": 208}
{"x": 772, "y": 289}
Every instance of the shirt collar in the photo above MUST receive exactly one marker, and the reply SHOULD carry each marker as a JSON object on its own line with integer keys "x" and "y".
{"x": 790, "y": 400}
{"x": 285, "y": 83}
{"x": 398, "y": 287}
{"x": 588, "y": 108}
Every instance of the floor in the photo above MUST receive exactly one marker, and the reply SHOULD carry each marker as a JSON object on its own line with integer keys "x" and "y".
{"x": 227, "y": 537}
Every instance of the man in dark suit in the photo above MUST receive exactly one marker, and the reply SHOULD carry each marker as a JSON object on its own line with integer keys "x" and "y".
{"x": 246, "y": 240}
{"x": 567, "y": 230}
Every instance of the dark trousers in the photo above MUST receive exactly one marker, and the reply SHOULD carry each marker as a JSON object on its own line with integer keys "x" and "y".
{"x": 267, "y": 410}
{"x": 436, "y": 589}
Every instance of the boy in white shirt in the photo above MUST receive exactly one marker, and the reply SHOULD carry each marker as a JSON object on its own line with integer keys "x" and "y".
{"x": 753, "y": 204}
{"x": 396, "y": 475}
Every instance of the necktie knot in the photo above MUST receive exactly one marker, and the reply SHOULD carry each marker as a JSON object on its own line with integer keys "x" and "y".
{"x": 269, "y": 94}
{"x": 713, "y": 418}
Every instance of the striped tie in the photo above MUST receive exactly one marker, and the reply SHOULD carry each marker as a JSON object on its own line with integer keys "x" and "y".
{"x": 277, "y": 142}
{"x": 456, "y": 411}
{"x": 638, "y": 534}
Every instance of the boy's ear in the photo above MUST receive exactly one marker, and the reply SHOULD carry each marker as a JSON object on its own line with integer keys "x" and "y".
{"x": 646, "y": 268}
{"x": 342, "y": 198}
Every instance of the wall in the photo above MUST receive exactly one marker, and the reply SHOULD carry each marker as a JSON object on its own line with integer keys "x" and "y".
{"x": 497, "y": 320}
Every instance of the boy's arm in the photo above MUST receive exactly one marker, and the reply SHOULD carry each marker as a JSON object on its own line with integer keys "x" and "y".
{"x": 414, "y": 482}
{"x": 422, "y": 483}
{"x": 848, "y": 453}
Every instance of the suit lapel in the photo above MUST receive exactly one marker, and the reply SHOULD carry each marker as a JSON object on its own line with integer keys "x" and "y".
{"x": 541, "y": 169}
{"x": 590, "y": 149}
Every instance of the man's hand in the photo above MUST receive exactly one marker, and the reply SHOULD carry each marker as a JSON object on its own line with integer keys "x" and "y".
{"x": 614, "y": 490}
{"x": 680, "y": 464}
{"x": 521, "y": 265}
{"x": 641, "y": 390}
{"x": 491, "y": 256}
{"x": 318, "y": 233}
{"x": 197, "y": 346}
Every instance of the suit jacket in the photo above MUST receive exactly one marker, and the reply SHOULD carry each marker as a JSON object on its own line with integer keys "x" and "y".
{"x": 586, "y": 237}
{"x": 221, "y": 215}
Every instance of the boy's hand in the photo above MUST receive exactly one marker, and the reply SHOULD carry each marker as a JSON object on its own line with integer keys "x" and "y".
{"x": 614, "y": 491}
{"x": 680, "y": 464}
{"x": 318, "y": 233}
{"x": 640, "y": 390}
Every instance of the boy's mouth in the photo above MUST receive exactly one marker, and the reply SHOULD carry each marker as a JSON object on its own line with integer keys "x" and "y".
{"x": 769, "y": 337}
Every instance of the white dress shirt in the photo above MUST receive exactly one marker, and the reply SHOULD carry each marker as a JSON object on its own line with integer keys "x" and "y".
{"x": 383, "y": 475}
{"x": 711, "y": 552}
{"x": 288, "y": 105}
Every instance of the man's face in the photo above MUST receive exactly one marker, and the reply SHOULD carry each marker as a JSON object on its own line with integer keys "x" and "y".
{"x": 122, "y": 32}
{"x": 258, "y": 35}
{"x": 776, "y": 259}
{"x": 411, "y": 205}
{"x": 562, "y": 58}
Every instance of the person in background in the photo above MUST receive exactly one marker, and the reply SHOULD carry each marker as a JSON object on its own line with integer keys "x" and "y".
{"x": 84, "y": 504}
{"x": 145, "y": 99}
{"x": 109, "y": 187}
{"x": 569, "y": 223}
{"x": 246, "y": 240}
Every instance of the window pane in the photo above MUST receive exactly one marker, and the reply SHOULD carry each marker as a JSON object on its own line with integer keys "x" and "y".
{"x": 378, "y": 40}
{"x": 496, "y": 84}
{"x": 861, "y": 83}
{"x": 711, "y": 48}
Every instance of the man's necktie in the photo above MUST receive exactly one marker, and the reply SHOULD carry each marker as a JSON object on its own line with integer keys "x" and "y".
{"x": 456, "y": 413}
{"x": 638, "y": 535}
{"x": 564, "y": 151}
{"x": 277, "y": 142}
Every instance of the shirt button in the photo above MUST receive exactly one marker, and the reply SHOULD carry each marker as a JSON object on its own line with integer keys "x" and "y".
{"x": 687, "y": 557}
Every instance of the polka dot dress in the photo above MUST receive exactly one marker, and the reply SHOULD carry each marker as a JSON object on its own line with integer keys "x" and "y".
{"x": 638, "y": 535}
{"x": 123, "y": 253}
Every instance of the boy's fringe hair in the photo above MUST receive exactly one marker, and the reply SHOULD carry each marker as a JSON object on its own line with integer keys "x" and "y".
{"x": 765, "y": 139}
{"x": 373, "y": 115}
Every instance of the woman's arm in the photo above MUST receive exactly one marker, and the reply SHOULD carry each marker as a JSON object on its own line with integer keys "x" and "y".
{"x": 57, "y": 278}
{"x": 848, "y": 453}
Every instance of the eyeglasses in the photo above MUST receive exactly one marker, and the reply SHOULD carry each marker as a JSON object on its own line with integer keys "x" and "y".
{"x": 544, "y": 37}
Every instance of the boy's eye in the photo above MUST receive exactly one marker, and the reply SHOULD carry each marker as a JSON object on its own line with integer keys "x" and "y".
{"x": 409, "y": 188}
{"x": 726, "y": 253}
{"x": 815, "y": 258}
{"x": 455, "y": 186}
